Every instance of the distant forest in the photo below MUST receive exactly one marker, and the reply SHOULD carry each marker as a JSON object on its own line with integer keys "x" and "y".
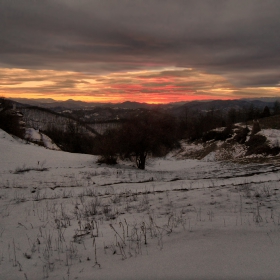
{"x": 153, "y": 131}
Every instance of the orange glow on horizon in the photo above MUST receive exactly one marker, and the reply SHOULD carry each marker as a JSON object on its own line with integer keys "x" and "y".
{"x": 153, "y": 99}
{"x": 156, "y": 86}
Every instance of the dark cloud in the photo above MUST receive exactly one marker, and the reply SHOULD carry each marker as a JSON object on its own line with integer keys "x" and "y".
{"x": 237, "y": 39}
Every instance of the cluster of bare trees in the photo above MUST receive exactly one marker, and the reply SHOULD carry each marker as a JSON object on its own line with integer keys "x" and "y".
{"x": 151, "y": 133}
{"x": 73, "y": 138}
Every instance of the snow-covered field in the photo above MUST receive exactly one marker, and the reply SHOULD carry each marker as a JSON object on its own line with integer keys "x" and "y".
{"x": 62, "y": 216}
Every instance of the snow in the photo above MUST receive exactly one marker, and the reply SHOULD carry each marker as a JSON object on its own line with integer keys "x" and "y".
{"x": 36, "y": 136}
{"x": 210, "y": 157}
{"x": 219, "y": 129}
{"x": 62, "y": 216}
{"x": 172, "y": 164}
{"x": 272, "y": 136}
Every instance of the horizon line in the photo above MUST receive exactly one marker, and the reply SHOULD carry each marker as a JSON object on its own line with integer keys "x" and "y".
{"x": 149, "y": 103}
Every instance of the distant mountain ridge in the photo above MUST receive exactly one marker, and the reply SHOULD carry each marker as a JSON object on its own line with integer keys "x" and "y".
{"x": 177, "y": 108}
{"x": 223, "y": 105}
{"x": 76, "y": 104}
{"x": 51, "y": 103}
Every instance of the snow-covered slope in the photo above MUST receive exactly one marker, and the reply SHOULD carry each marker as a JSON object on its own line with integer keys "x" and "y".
{"x": 62, "y": 216}
{"x": 42, "y": 119}
{"x": 15, "y": 153}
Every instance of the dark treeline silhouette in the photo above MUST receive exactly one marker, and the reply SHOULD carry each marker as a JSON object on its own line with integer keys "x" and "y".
{"x": 73, "y": 139}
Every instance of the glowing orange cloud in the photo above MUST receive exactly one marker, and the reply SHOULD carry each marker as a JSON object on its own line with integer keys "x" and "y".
{"x": 162, "y": 85}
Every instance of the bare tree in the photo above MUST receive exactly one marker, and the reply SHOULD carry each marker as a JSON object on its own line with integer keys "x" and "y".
{"x": 150, "y": 133}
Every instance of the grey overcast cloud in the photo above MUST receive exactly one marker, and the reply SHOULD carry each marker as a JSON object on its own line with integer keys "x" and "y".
{"x": 153, "y": 51}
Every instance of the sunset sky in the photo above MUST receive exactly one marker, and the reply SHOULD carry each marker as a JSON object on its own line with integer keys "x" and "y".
{"x": 154, "y": 51}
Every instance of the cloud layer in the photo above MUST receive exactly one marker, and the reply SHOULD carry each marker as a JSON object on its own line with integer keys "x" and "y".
{"x": 230, "y": 45}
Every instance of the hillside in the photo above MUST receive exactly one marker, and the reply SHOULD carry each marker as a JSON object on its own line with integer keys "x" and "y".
{"x": 39, "y": 118}
{"x": 64, "y": 216}
{"x": 236, "y": 144}
{"x": 91, "y": 112}
{"x": 89, "y": 122}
